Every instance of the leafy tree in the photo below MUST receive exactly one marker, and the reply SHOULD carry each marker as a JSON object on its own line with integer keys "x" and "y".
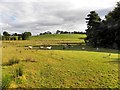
{"x": 6, "y": 33}
{"x": 105, "y": 33}
{"x": 26, "y": 35}
{"x": 58, "y": 32}
{"x": 113, "y": 23}
{"x": 19, "y": 37}
{"x": 15, "y": 34}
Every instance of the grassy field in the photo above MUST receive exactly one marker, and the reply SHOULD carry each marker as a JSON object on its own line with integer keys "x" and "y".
{"x": 58, "y": 68}
{"x": 59, "y": 37}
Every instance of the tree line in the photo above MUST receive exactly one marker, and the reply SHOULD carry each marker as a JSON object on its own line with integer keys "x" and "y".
{"x": 68, "y": 32}
{"x": 104, "y": 33}
{"x": 26, "y": 35}
{"x": 15, "y": 36}
{"x": 63, "y": 32}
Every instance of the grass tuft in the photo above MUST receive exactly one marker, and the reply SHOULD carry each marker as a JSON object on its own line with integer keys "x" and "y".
{"x": 6, "y": 80}
{"x": 19, "y": 71}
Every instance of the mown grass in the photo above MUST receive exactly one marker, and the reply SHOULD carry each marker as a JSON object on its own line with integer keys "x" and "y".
{"x": 58, "y": 68}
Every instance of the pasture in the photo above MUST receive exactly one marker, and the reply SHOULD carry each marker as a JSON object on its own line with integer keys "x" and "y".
{"x": 59, "y": 68}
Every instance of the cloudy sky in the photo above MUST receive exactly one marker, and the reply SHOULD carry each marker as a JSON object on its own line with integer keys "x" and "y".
{"x": 49, "y": 15}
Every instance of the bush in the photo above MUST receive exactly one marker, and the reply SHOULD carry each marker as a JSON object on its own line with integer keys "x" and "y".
{"x": 26, "y": 35}
{"x": 6, "y": 80}
{"x": 19, "y": 71}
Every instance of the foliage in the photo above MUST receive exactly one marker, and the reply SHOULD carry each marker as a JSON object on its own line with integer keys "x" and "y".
{"x": 9, "y": 37}
{"x": 105, "y": 33}
{"x": 48, "y": 32}
{"x": 6, "y": 33}
{"x": 93, "y": 21}
{"x": 68, "y": 32}
{"x": 26, "y": 35}
{"x": 15, "y": 36}
{"x": 0, "y": 36}
{"x": 19, "y": 71}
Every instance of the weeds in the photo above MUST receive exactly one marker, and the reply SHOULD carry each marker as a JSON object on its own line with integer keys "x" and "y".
{"x": 6, "y": 80}
{"x": 19, "y": 71}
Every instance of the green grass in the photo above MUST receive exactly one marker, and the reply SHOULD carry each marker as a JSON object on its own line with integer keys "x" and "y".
{"x": 59, "y": 37}
{"x": 6, "y": 80}
{"x": 58, "y": 68}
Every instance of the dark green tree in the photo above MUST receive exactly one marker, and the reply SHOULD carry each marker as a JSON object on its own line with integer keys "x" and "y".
{"x": 93, "y": 22}
{"x": 113, "y": 23}
{"x": 105, "y": 33}
{"x": 6, "y": 33}
{"x": 15, "y": 34}
{"x": 26, "y": 35}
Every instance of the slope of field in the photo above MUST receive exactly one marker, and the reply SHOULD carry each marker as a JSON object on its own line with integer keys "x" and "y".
{"x": 58, "y": 68}
{"x": 49, "y": 40}
{"x": 59, "y": 37}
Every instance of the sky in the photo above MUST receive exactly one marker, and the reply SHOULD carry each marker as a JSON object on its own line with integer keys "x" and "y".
{"x": 36, "y": 16}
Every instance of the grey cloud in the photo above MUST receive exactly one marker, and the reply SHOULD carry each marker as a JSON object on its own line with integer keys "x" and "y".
{"x": 43, "y": 16}
{"x": 103, "y": 12}
{"x": 72, "y": 15}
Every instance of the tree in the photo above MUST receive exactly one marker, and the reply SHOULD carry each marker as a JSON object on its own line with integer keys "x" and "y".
{"x": 0, "y": 36}
{"x": 105, "y": 33}
{"x": 19, "y": 37}
{"x": 26, "y": 35}
{"x": 93, "y": 21}
{"x": 113, "y": 23}
{"x": 6, "y": 33}
{"x": 15, "y": 34}
{"x": 58, "y": 32}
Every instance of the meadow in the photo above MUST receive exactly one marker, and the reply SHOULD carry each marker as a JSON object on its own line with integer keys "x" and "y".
{"x": 58, "y": 68}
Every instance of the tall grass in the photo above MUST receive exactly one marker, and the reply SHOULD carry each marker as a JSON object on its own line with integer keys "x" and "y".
{"x": 19, "y": 71}
{"x": 6, "y": 80}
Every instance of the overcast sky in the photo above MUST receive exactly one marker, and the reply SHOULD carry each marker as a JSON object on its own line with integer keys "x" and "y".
{"x": 49, "y": 15}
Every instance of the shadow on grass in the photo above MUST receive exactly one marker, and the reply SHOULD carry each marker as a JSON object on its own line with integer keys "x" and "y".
{"x": 77, "y": 48}
{"x": 11, "y": 62}
{"x": 115, "y": 61}
{"x": 29, "y": 60}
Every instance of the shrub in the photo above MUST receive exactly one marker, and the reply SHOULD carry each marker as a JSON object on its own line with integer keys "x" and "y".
{"x": 6, "y": 80}
{"x": 19, "y": 38}
{"x": 19, "y": 71}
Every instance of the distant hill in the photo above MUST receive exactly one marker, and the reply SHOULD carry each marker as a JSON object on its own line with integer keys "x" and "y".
{"x": 59, "y": 37}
